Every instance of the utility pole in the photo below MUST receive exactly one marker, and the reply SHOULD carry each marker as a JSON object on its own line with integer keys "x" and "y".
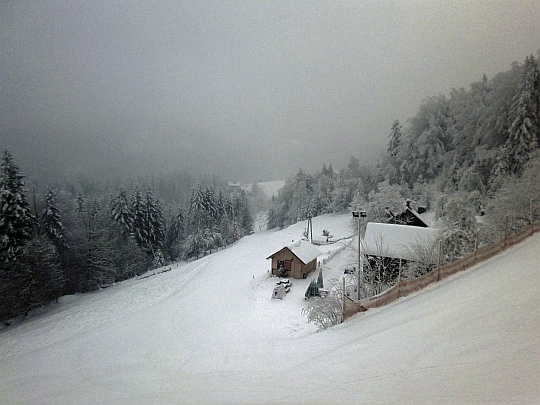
{"x": 360, "y": 274}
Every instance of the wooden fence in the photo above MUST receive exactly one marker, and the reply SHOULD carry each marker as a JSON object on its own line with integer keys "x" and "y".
{"x": 405, "y": 287}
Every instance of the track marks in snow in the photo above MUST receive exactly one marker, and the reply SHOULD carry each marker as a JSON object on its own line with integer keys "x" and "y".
{"x": 81, "y": 314}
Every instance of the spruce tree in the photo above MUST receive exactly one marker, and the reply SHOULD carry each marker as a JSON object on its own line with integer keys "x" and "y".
{"x": 525, "y": 120}
{"x": 121, "y": 212}
{"x": 16, "y": 220}
{"x": 153, "y": 222}
{"x": 52, "y": 221}
{"x": 39, "y": 276}
{"x": 139, "y": 231}
{"x": 211, "y": 206}
{"x": 395, "y": 139}
{"x": 174, "y": 233}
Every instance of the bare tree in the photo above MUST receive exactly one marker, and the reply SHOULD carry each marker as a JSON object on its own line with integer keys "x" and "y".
{"x": 378, "y": 269}
{"x": 326, "y": 312}
{"x": 425, "y": 255}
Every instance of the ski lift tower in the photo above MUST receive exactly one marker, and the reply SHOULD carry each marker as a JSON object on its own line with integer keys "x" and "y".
{"x": 309, "y": 230}
{"x": 358, "y": 215}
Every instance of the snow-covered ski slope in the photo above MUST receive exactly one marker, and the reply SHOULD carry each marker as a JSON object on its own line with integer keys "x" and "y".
{"x": 208, "y": 332}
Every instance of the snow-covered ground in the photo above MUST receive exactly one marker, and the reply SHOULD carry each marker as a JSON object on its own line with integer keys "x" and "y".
{"x": 208, "y": 332}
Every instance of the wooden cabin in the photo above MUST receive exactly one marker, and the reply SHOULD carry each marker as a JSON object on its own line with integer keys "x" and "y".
{"x": 295, "y": 261}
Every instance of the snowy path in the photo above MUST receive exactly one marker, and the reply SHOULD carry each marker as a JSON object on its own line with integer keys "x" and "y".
{"x": 208, "y": 332}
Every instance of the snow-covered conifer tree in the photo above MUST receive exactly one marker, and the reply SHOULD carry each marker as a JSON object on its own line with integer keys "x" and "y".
{"x": 16, "y": 220}
{"x": 210, "y": 205}
{"x": 136, "y": 206}
{"x": 174, "y": 233}
{"x": 395, "y": 139}
{"x": 154, "y": 222}
{"x": 197, "y": 208}
{"x": 52, "y": 221}
{"x": 524, "y": 120}
{"x": 121, "y": 212}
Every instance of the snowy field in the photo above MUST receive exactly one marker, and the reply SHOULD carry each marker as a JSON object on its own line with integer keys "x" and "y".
{"x": 208, "y": 332}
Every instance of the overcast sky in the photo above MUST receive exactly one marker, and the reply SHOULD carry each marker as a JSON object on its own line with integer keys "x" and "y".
{"x": 251, "y": 90}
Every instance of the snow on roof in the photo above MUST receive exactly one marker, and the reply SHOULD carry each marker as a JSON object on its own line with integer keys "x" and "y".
{"x": 428, "y": 217}
{"x": 397, "y": 241}
{"x": 305, "y": 251}
{"x": 417, "y": 215}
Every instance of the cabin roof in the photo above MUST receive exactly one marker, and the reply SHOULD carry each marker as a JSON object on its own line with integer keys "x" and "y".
{"x": 304, "y": 251}
{"x": 396, "y": 241}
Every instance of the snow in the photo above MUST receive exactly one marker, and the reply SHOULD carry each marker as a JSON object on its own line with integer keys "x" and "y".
{"x": 304, "y": 250}
{"x": 397, "y": 241}
{"x": 269, "y": 188}
{"x": 208, "y": 332}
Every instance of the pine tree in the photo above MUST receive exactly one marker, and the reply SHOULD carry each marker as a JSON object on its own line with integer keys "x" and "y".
{"x": 39, "y": 276}
{"x": 197, "y": 208}
{"x": 100, "y": 254}
{"x": 525, "y": 120}
{"x": 174, "y": 233}
{"x": 153, "y": 222}
{"x": 121, "y": 212}
{"x": 136, "y": 207}
{"x": 16, "y": 221}
{"x": 243, "y": 213}
{"x": 210, "y": 205}
{"x": 427, "y": 141}
{"x": 391, "y": 169}
{"x": 395, "y": 139}
{"x": 52, "y": 221}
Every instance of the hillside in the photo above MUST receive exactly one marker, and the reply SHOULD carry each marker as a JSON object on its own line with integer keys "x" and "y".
{"x": 208, "y": 332}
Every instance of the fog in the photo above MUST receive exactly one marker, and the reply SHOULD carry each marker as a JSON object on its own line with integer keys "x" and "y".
{"x": 249, "y": 90}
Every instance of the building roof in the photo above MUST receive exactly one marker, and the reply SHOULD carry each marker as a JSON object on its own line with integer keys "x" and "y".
{"x": 410, "y": 217}
{"x": 396, "y": 241}
{"x": 304, "y": 251}
{"x": 417, "y": 216}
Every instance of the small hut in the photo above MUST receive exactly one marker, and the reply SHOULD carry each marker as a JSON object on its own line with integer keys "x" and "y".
{"x": 296, "y": 260}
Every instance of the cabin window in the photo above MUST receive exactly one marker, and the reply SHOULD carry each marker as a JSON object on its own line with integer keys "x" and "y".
{"x": 287, "y": 265}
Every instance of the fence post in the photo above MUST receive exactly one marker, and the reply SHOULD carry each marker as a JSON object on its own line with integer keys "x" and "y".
{"x": 439, "y": 261}
{"x": 476, "y": 244}
{"x": 505, "y": 230}
{"x": 399, "y": 279}
{"x": 531, "y": 215}
{"x": 343, "y": 303}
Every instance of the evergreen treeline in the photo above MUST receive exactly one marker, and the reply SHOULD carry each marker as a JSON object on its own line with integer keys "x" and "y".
{"x": 77, "y": 238}
{"x": 461, "y": 153}
{"x": 468, "y": 151}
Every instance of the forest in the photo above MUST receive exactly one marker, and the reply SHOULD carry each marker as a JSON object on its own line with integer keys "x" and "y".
{"x": 463, "y": 154}
{"x": 469, "y": 153}
{"x": 80, "y": 236}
